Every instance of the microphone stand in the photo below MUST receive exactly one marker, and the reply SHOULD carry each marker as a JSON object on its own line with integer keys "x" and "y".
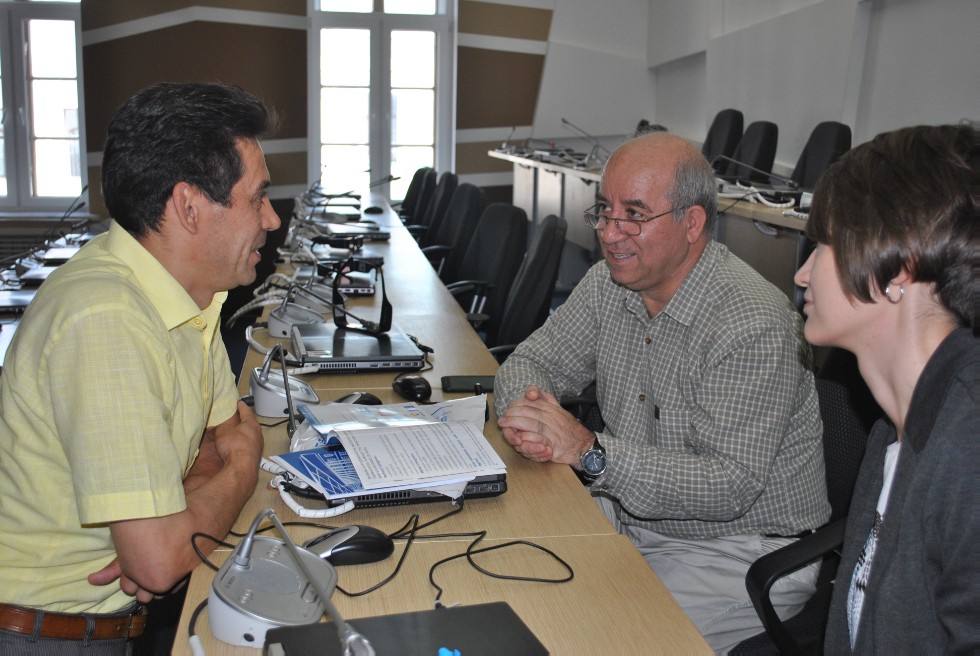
{"x": 593, "y": 156}
{"x": 792, "y": 184}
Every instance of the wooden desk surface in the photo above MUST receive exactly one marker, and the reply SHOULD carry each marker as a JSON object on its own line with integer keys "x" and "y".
{"x": 627, "y": 608}
{"x": 615, "y": 604}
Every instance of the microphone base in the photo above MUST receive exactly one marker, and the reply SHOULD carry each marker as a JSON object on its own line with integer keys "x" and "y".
{"x": 271, "y": 592}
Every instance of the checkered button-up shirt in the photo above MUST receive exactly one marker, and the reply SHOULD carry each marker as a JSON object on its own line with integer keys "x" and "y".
{"x": 712, "y": 423}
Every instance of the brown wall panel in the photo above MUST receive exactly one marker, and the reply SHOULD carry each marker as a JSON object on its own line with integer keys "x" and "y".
{"x": 473, "y": 158}
{"x": 104, "y": 13}
{"x": 269, "y": 62}
{"x": 284, "y": 169}
{"x": 496, "y": 88}
{"x": 508, "y": 21}
{"x": 287, "y": 168}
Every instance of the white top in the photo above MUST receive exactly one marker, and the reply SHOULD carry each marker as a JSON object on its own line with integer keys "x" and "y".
{"x": 859, "y": 580}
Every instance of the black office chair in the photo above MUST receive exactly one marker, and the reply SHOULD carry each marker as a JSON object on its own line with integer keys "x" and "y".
{"x": 491, "y": 261}
{"x": 828, "y": 141}
{"x": 757, "y": 148}
{"x": 409, "y": 204}
{"x": 427, "y": 228}
{"x": 427, "y": 187}
{"x": 454, "y": 233}
{"x": 529, "y": 301}
{"x": 723, "y": 137}
{"x": 848, "y": 411}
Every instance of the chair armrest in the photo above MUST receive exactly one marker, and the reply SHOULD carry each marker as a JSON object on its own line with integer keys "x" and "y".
{"x": 768, "y": 569}
{"x": 501, "y": 352}
{"x": 416, "y": 230}
{"x": 436, "y": 250}
{"x": 463, "y": 286}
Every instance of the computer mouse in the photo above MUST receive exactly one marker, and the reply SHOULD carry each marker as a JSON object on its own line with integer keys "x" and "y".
{"x": 352, "y": 545}
{"x": 413, "y": 388}
{"x": 360, "y": 398}
{"x": 373, "y": 209}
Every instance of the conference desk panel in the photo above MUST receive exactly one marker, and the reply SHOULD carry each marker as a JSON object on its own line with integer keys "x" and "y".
{"x": 614, "y": 604}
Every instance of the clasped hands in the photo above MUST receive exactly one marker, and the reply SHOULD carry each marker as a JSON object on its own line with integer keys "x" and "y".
{"x": 540, "y": 429}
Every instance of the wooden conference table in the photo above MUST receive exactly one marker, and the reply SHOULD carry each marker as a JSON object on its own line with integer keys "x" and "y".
{"x": 614, "y": 604}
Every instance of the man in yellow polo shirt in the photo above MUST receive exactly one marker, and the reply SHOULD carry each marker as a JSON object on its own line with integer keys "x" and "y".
{"x": 120, "y": 430}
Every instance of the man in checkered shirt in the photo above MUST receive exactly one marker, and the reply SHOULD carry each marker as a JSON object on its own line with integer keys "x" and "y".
{"x": 711, "y": 455}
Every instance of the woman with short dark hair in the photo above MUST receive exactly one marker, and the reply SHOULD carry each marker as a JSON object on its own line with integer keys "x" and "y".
{"x": 893, "y": 279}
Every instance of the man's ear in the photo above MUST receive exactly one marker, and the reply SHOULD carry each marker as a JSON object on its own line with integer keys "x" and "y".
{"x": 694, "y": 220}
{"x": 188, "y": 203}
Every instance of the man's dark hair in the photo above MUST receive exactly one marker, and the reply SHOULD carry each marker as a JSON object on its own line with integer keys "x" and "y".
{"x": 907, "y": 199}
{"x": 176, "y": 132}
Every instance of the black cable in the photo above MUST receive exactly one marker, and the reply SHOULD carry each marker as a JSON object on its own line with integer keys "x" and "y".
{"x": 414, "y": 521}
{"x": 470, "y": 552}
{"x": 192, "y": 623}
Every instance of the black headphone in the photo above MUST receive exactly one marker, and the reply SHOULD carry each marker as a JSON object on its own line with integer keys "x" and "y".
{"x": 340, "y": 314}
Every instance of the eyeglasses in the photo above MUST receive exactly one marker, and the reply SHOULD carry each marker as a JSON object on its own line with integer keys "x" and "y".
{"x": 631, "y": 227}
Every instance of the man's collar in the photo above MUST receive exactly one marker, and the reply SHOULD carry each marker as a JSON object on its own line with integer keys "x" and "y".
{"x": 167, "y": 295}
{"x": 685, "y": 306}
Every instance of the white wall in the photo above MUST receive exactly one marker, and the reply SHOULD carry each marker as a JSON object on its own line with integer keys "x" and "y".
{"x": 596, "y": 73}
{"x": 922, "y": 66}
{"x": 873, "y": 64}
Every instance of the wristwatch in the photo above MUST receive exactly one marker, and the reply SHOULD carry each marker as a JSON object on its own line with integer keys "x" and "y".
{"x": 593, "y": 461}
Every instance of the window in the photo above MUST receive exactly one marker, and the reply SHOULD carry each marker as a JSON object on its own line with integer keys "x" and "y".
{"x": 383, "y": 95}
{"x": 40, "y": 92}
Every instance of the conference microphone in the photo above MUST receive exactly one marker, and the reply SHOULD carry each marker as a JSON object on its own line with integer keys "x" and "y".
{"x": 792, "y": 184}
{"x": 381, "y": 181}
{"x": 593, "y": 155}
{"x": 506, "y": 143}
{"x": 271, "y": 583}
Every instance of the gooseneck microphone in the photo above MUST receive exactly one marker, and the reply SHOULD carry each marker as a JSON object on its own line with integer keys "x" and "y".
{"x": 593, "y": 156}
{"x": 792, "y": 184}
{"x": 267, "y": 584}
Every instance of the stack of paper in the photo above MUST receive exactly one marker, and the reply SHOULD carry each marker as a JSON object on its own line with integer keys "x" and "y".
{"x": 362, "y": 449}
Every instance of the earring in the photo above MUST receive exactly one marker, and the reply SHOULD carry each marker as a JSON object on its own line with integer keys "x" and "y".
{"x": 901, "y": 294}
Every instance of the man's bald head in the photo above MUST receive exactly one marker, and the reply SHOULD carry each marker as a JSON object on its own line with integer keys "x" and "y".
{"x": 663, "y": 153}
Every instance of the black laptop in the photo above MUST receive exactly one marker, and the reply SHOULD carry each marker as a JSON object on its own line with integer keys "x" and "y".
{"x": 341, "y": 350}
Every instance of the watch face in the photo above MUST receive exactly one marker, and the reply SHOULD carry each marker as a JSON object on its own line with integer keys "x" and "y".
{"x": 594, "y": 462}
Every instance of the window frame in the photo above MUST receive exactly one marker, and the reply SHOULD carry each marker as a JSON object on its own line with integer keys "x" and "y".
{"x": 18, "y": 154}
{"x": 443, "y": 25}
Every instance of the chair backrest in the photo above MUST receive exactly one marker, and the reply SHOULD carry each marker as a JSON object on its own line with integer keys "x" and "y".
{"x": 457, "y": 228}
{"x": 495, "y": 253}
{"x": 411, "y": 200}
{"x": 757, "y": 148}
{"x": 529, "y": 300}
{"x": 723, "y": 137}
{"x": 828, "y": 141}
{"x": 848, "y": 411}
{"x": 427, "y": 188}
{"x": 436, "y": 210}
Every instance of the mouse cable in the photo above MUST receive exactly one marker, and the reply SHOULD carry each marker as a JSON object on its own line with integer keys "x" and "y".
{"x": 398, "y": 566}
{"x": 472, "y": 551}
{"x": 408, "y": 532}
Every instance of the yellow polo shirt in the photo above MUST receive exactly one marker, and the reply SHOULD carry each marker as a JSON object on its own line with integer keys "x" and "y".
{"x": 107, "y": 388}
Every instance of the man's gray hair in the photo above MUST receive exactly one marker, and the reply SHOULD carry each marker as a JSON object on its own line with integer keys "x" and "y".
{"x": 694, "y": 184}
